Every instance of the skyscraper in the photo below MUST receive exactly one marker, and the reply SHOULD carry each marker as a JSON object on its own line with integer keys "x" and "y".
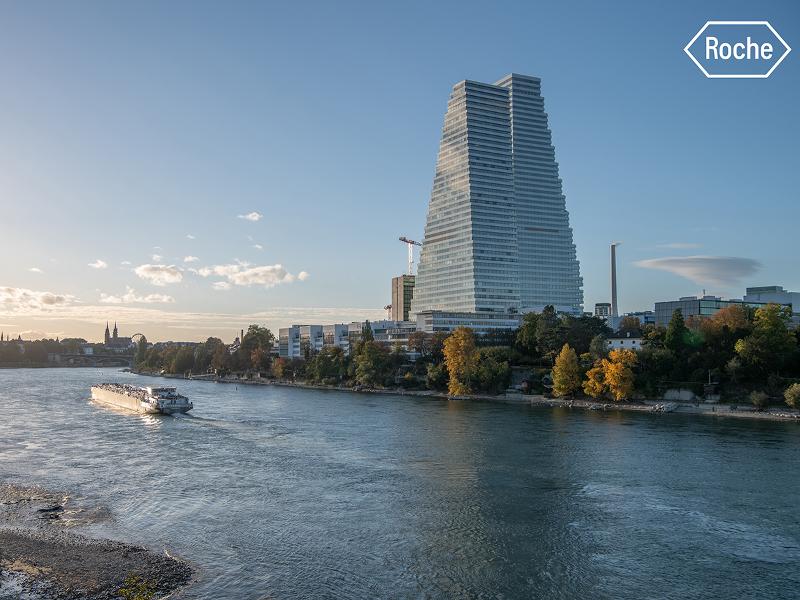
{"x": 497, "y": 236}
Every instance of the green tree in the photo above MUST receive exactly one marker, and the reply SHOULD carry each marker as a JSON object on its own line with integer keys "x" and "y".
{"x": 566, "y": 373}
{"x": 548, "y": 332}
{"x": 183, "y": 362}
{"x": 526, "y": 334}
{"x": 770, "y": 344}
{"x": 675, "y": 338}
{"x": 493, "y": 372}
{"x": 141, "y": 351}
{"x": 371, "y": 364}
{"x": 329, "y": 365}
{"x": 461, "y": 358}
{"x": 436, "y": 376}
{"x": 598, "y": 347}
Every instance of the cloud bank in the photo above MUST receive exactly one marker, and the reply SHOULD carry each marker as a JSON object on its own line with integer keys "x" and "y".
{"x": 243, "y": 274}
{"x": 704, "y": 270}
{"x": 160, "y": 275}
{"x": 21, "y": 300}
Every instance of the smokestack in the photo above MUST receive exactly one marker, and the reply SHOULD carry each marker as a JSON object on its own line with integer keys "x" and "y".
{"x": 614, "y": 306}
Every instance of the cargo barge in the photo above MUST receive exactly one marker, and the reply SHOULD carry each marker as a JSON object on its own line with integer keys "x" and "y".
{"x": 148, "y": 400}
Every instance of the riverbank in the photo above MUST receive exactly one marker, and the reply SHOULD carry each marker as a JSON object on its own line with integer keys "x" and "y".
{"x": 42, "y": 557}
{"x": 648, "y": 406}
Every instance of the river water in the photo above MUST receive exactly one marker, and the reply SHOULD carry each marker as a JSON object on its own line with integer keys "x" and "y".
{"x": 274, "y": 492}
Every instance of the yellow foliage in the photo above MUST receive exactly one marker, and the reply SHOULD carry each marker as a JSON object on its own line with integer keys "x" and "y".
{"x": 613, "y": 374}
{"x": 566, "y": 373}
{"x": 595, "y": 384}
{"x": 461, "y": 358}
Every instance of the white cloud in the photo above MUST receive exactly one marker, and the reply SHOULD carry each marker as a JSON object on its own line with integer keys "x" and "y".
{"x": 35, "y": 270}
{"x": 189, "y": 236}
{"x": 705, "y": 270}
{"x": 190, "y": 259}
{"x": 243, "y": 274}
{"x": 157, "y": 258}
{"x": 98, "y": 264}
{"x": 221, "y": 285}
{"x": 681, "y": 245}
{"x": 125, "y": 263}
{"x": 130, "y": 297}
{"x": 258, "y": 246}
{"x": 21, "y": 300}
{"x": 252, "y": 216}
{"x": 159, "y": 274}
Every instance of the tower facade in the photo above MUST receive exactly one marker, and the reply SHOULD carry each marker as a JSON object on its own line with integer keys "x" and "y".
{"x": 497, "y": 236}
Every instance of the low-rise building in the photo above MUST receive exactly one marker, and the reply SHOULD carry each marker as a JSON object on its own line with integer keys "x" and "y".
{"x": 602, "y": 310}
{"x": 432, "y": 321}
{"x": 625, "y": 341}
{"x": 699, "y": 307}
{"x": 402, "y": 294}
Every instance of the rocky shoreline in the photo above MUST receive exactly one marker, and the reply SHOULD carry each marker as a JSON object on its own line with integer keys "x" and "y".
{"x": 42, "y": 557}
{"x": 649, "y": 406}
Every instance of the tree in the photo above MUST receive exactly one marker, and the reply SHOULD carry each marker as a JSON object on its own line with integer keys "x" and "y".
{"x": 183, "y": 361}
{"x": 595, "y": 384}
{"x": 618, "y": 373}
{"x": 548, "y": 334}
{"x": 677, "y": 333}
{"x": 760, "y": 400}
{"x": 526, "y": 334}
{"x": 769, "y": 345}
{"x": 329, "y": 364}
{"x": 371, "y": 364}
{"x": 613, "y": 374}
{"x": 461, "y": 357}
{"x": 436, "y": 377}
{"x": 792, "y": 395}
{"x": 419, "y": 342}
{"x": 598, "y": 347}
{"x": 141, "y": 351}
{"x": 493, "y": 373}
{"x": 566, "y": 373}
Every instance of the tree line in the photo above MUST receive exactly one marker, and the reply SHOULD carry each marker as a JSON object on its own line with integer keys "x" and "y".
{"x": 740, "y": 351}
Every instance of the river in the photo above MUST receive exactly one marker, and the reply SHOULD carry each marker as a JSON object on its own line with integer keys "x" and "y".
{"x": 275, "y": 492}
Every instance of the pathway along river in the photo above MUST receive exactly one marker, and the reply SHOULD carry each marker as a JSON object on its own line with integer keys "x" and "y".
{"x": 274, "y": 492}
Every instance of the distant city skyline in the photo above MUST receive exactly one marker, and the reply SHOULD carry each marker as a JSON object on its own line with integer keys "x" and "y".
{"x": 189, "y": 171}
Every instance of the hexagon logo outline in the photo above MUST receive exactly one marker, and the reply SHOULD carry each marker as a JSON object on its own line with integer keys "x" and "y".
{"x": 786, "y": 50}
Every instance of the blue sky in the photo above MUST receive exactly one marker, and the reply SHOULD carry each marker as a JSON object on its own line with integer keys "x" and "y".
{"x": 127, "y": 127}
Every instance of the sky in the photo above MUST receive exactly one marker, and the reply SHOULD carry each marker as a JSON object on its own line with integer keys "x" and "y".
{"x": 189, "y": 168}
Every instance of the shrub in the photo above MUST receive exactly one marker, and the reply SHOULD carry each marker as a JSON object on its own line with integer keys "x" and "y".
{"x": 759, "y": 399}
{"x": 792, "y": 395}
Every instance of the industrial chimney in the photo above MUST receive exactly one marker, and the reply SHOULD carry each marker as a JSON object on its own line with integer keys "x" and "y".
{"x": 614, "y": 306}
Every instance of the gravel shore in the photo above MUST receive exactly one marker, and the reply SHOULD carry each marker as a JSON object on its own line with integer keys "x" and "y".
{"x": 42, "y": 557}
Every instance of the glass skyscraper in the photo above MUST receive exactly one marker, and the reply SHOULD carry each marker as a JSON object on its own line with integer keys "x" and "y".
{"x": 497, "y": 237}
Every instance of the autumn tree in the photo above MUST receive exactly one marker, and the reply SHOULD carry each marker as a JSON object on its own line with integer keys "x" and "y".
{"x": 613, "y": 374}
{"x": 618, "y": 373}
{"x": 461, "y": 357}
{"x": 566, "y": 373}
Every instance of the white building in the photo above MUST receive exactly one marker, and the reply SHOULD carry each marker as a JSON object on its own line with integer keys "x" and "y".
{"x": 625, "y": 342}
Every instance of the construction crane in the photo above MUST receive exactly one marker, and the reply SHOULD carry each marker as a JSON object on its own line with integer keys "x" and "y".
{"x": 410, "y": 244}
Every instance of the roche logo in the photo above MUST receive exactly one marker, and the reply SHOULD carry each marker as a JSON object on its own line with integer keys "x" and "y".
{"x": 737, "y": 49}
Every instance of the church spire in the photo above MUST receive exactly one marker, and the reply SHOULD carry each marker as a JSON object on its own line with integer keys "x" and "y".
{"x": 107, "y": 335}
{"x": 115, "y": 334}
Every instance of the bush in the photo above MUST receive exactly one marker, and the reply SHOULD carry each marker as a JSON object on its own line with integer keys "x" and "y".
{"x": 759, "y": 399}
{"x": 792, "y": 395}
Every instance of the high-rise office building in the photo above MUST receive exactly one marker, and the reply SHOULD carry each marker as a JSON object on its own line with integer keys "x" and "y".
{"x": 497, "y": 236}
{"x": 402, "y": 293}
